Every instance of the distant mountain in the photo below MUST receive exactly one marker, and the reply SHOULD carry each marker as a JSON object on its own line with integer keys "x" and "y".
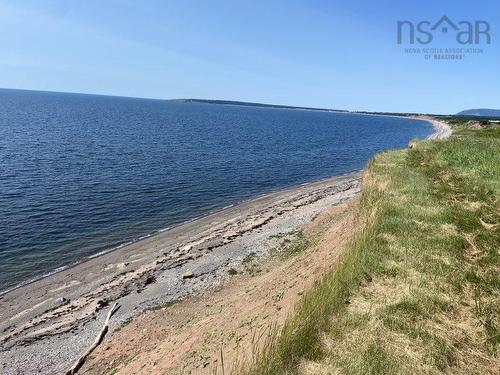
{"x": 484, "y": 112}
{"x": 250, "y": 104}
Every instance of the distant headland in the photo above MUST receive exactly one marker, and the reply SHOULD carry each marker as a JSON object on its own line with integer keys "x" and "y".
{"x": 251, "y": 104}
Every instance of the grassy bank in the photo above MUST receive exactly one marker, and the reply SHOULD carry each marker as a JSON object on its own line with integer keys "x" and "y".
{"x": 418, "y": 291}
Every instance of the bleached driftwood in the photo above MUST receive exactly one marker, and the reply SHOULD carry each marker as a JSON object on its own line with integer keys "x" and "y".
{"x": 98, "y": 340}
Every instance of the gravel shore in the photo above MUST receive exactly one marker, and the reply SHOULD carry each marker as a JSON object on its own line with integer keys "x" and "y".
{"x": 46, "y": 325}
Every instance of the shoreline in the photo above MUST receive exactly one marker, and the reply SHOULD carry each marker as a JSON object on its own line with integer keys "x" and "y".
{"x": 64, "y": 310}
{"x": 441, "y": 130}
{"x": 108, "y": 249}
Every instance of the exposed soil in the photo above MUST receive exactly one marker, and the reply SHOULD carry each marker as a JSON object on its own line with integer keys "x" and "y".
{"x": 223, "y": 325}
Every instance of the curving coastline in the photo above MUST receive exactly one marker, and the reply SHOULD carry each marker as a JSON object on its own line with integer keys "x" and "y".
{"x": 442, "y": 130}
{"x": 46, "y": 324}
{"x": 63, "y": 310}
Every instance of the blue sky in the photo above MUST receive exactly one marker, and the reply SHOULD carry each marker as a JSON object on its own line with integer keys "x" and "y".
{"x": 335, "y": 54}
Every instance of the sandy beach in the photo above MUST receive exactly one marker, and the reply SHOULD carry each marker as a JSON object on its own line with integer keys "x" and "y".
{"x": 441, "y": 129}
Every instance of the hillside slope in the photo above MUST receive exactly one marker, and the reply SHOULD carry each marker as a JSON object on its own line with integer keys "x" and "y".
{"x": 418, "y": 291}
{"x": 484, "y": 112}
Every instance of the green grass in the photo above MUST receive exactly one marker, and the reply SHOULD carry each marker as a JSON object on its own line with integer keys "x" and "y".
{"x": 296, "y": 246}
{"x": 418, "y": 290}
{"x": 232, "y": 271}
{"x": 250, "y": 263}
{"x": 249, "y": 258}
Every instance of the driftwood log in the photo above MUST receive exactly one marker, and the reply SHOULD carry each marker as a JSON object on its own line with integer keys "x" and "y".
{"x": 98, "y": 340}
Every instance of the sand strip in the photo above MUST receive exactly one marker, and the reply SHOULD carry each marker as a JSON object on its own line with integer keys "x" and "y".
{"x": 441, "y": 129}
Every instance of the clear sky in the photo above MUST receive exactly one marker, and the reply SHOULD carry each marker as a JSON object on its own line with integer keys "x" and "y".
{"x": 335, "y": 54}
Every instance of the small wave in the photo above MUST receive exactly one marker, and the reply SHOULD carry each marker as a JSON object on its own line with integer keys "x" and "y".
{"x": 36, "y": 278}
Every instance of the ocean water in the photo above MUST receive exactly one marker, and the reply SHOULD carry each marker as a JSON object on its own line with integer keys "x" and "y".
{"x": 82, "y": 173}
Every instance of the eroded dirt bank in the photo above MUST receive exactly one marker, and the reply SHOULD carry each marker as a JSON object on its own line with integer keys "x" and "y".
{"x": 225, "y": 324}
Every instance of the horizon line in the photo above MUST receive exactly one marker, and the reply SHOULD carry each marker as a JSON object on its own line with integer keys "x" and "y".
{"x": 214, "y": 100}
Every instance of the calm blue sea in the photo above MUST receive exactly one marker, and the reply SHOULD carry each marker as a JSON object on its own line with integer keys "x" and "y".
{"x": 82, "y": 173}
